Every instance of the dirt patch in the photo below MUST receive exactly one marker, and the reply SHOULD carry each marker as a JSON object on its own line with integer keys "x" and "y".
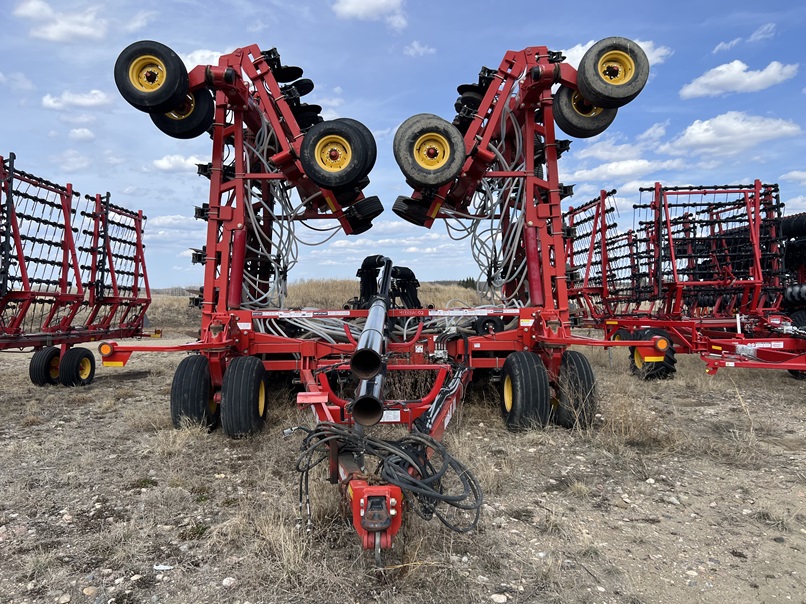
{"x": 692, "y": 489}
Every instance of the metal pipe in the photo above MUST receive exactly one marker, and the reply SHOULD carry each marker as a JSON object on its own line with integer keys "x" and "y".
{"x": 367, "y": 408}
{"x": 367, "y": 361}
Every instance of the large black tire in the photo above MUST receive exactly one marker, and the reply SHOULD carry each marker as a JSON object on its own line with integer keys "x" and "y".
{"x": 151, "y": 77}
{"x": 576, "y": 391}
{"x": 44, "y": 367}
{"x": 194, "y": 116}
{"x": 369, "y": 139}
{"x": 334, "y": 154}
{"x": 77, "y": 367}
{"x": 612, "y": 72}
{"x": 653, "y": 370}
{"x": 798, "y": 320}
{"x": 525, "y": 393}
{"x": 192, "y": 394}
{"x": 579, "y": 118}
{"x": 429, "y": 150}
{"x": 243, "y": 397}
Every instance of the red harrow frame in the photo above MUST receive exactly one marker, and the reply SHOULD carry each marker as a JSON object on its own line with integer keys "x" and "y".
{"x": 277, "y": 166}
{"x": 704, "y": 267}
{"x": 72, "y": 270}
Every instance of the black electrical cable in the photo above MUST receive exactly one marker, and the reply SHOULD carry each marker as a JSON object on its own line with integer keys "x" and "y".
{"x": 405, "y": 463}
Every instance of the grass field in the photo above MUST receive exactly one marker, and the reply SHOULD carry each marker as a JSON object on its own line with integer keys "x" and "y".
{"x": 685, "y": 490}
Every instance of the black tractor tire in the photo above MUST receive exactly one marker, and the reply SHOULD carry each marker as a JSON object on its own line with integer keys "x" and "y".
{"x": 151, "y": 77}
{"x": 243, "y": 397}
{"x": 577, "y": 401}
{"x": 192, "y": 394}
{"x": 579, "y": 118}
{"x": 653, "y": 370}
{"x": 612, "y": 72}
{"x": 429, "y": 150}
{"x": 44, "y": 367}
{"x": 369, "y": 139}
{"x": 192, "y": 117}
{"x": 525, "y": 394}
{"x": 77, "y": 367}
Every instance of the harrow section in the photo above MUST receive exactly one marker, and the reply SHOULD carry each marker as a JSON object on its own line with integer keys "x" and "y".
{"x": 277, "y": 168}
{"x": 72, "y": 271}
{"x": 703, "y": 266}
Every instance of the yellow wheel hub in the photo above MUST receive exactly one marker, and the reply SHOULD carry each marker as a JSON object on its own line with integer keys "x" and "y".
{"x": 261, "y": 400}
{"x": 508, "y": 394}
{"x": 583, "y": 106}
{"x": 616, "y": 67}
{"x": 333, "y": 153}
{"x": 53, "y": 368}
{"x": 432, "y": 151}
{"x": 147, "y": 73}
{"x": 184, "y": 110}
{"x": 84, "y": 369}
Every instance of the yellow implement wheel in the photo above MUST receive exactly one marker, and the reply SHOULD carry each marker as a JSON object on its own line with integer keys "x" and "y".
{"x": 583, "y": 106}
{"x": 147, "y": 73}
{"x": 612, "y": 72}
{"x": 525, "y": 393}
{"x": 244, "y": 403}
{"x": 77, "y": 367}
{"x": 577, "y": 116}
{"x": 333, "y": 153}
{"x": 508, "y": 394}
{"x": 44, "y": 366}
{"x": 190, "y": 118}
{"x": 192, "y": 394}
{"x": 184, "y": 110}
{"x": 151, "y": 77}
{"x": 616, "y": 67}
{"x": 432, "y": 151}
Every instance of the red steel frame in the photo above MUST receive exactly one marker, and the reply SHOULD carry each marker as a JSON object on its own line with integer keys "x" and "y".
{"x": 624, "y": 281}
{"x": 248, "y": 97}
{"x": 73, "y": 268}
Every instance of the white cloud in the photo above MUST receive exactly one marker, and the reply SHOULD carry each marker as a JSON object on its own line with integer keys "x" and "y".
{"x": 201, "y": 57}
{"x": 17, "y": 82}
{"x": 140, "y": 20}
{"x": 654, "y": 133}
{"x": 415, "y": 49}
{"x": 112, "y": 159}
{"x": 67, "y": 99}
{"x": 71, "y": 161}
{"x": 57, "y": 26}
{"x": 389, "y": 11}
{"x": 731, "y": 133}
{"x": 628, "y": 168}
{"x": 764, "y": 32}
{"x": 177, "y": 163}
{"x": 726, "y": 45}
{"x": 81, "y": 134}
{"x": 655, "y": 54}
{"x": 798, "y": 176}
{"x": 77, "y": 119}
{"x": 796, "y": 204}
{"x": 174, "y": 220}
{"x": 735, "y": 77}
{"x": 606, "y": 149}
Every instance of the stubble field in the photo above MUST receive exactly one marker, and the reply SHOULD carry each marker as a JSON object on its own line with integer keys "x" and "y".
{"x": 687, "y": 490}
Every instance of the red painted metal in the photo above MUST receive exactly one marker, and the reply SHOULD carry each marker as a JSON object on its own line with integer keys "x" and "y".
{"x": 73, "y": 268}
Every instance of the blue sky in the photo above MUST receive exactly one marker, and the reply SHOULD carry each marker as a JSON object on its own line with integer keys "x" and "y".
{"x": 724, "y": 103}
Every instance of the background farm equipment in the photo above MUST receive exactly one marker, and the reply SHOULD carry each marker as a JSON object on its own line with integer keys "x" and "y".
{"x": 703, "y": 266}
{"x": 492, "y": 175}
{"x": 72, "y": 271}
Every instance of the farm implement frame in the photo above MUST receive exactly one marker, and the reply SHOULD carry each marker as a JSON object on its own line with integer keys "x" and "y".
{"x": 492, "y": 175}
{"x": 703, "y": 266}
{"x": 72, "y": 270}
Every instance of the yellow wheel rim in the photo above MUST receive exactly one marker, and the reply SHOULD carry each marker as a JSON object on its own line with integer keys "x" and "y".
{"x": 639, "y": 362}
{"x": 583, "y": 106}
{"x": 184, "y": 110}
{"x": 261, "y": 399}
{"x": 211, "y": 405}
{"x": 147, "y": 73}
{"x": 53, "y": 368}
{"x": 432, "y": 151}
{"x": 508, "y": 394}
{"x": 616, "y": 67}
{"x": 84, "y": 369}
{"x": 617, "y": 337}
{"x": 333, "y": 153}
